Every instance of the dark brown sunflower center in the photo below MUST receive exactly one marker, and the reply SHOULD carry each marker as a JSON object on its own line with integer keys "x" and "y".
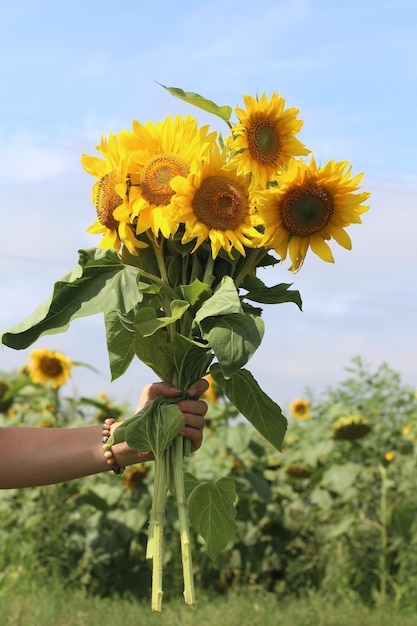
{"x": 51, "y": 366}
{"x": 157, "y": 175}
{"x": 220, "y": 203}
{"x": 300, "y": 409}
{"x": 264, "y": 142}
{"x": 306, "y": 210}
{"x": 107, "y": 200}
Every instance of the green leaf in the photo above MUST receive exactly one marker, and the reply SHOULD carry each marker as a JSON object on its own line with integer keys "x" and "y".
{"x": 225, "y": 300}
{"x": 233, "y": 334}
{"x": 178, "y": 308}
{"x": 212, "y": 512}
{"x": 154, "y": 428}
{"x": 340, "y": 477}
{"x": 196, "y": 293}
{"x": 189, "y": 360}
{"x": 224, "y": 112}
{"x": 340, "y": 528}
{"x": 234, "y": 338}
{"x": 245, "y": 394}
{"x": 402, "y": 518}
{"x": 144, "y": 259}
{"x": 259, "y": 292}
{"x": 120, "y": 344}
{"x": 147, "y": 349}
{"x": 100, "y": 283}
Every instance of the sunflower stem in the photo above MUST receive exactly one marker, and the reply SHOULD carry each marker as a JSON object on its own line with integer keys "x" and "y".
{"x": 155, "y": 547}
{"x": 177, "y": 461}
{"x": 159, "y": 255}
{"x": 208, "y": 272}
{"x": 250, "y": 263}
{"x": 155, "y": 279}
{"x": 165, "y": 301}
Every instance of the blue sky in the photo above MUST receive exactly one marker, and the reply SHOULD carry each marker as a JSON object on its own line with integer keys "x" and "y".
{"x": 73, "y": 71}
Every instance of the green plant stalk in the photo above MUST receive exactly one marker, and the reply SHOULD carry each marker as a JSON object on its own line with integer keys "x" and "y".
{"x": 384, "y": 536}
{"x": 177, "y": 464}
{"x": 251, "y": 262}
{"x": 155, "y": 547}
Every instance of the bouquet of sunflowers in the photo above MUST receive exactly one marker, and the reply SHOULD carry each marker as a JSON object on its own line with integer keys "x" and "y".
{"x": 187, "y": 216}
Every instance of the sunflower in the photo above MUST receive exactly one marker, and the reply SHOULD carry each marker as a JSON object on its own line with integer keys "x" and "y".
{"x": 49, "y": 368}
{"x": 216, "y": 205}
{"x": 5, "y": 403}
{"x": 298, "y": 470}
{"x": 157, "y": 153}
{"x": 264, "y": 140}
{"x": 351, "y": 427}
{"x": 110, "y": 196}
{"x": 300, "y": 409}
{"x": 134, "y": 476}
{"x": 211, "y": 392}
{"x": 311, "y": 205}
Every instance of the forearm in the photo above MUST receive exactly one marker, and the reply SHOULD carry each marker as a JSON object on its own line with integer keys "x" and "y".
{"x": 42, "y": 456}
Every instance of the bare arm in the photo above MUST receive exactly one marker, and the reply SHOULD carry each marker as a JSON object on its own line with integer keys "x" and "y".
{"x": 41, "y": 456}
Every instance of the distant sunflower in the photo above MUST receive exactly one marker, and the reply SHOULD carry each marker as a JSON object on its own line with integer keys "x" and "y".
{"x": 300, "y": 409}
{"x": 298, "y": 470}
{"x": 110, "y": 196}
{"x": 49, "y": 368}
{"x": 158, "y": 153}
{"x": 264, "y": 140}
{"x": 215, "y": 205}
{"x": 5, "y": 403}
{"x": 47, "y": 422}
{"x": 351, "y": 427}
{"x": 134, "y": 477}
{"x": 311, "y": 205}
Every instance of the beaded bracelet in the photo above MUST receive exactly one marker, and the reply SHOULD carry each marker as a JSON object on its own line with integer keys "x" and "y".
{"x": 108, "y": 454}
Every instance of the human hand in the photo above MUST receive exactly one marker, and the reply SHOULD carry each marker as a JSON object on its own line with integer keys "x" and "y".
{"x": 193, "y": 410}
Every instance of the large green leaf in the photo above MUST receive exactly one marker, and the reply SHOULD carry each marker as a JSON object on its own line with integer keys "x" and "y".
{"x": 176, "y": 359}
{"x": 196, "y": 293}
{"x": 233, "y": 334}
{"x": 340, "y": 477}
{"x": 120, "y": 343}
{"x": 225, "y": 300}
{"x": 245, "y": 394}
{"x": 189, "y": 360}
{"x": 233, "y": 338}
{"x": 212, "y": 512}
{"x": 100, "y": 283}
{"x": 178, "y": 308}
{"x": 194, "y": 98}
{"x": 147, "y": 349}
{"x": 259, "y": 292}
{"x": 153, "y": 428}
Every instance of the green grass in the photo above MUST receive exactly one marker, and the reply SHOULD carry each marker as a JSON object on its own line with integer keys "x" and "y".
{"x": 54, "y": 606}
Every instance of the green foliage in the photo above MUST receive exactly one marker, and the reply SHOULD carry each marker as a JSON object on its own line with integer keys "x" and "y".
{"x": 224, "y": 112}
{"x": 212, "y": 512}
{"x": 330, "y": 516}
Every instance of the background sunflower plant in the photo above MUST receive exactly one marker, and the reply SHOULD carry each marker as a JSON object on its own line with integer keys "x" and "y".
{"x": 187, "y": 217}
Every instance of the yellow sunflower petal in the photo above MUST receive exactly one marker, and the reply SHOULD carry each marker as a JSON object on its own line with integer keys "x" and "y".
{"x": 311, "y": 205}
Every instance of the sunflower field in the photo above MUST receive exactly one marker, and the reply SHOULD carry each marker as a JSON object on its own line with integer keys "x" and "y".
{"x": 333, "y": 513}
